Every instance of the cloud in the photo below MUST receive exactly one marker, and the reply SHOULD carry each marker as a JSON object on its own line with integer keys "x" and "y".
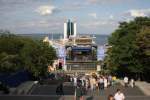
{"x": 138, "y": 13}
{"x": 73, "y": 6}
{"x": 46, "y": 10}
{"x": 94, "y": 15}
{"x": 43, "y": 23}
{"x": 99, "y": 23}
{"x": 111, "y": 17}
{"x": 93, "y": 1}
{"x": 99, "y": 26}
{"x": 103, "y": 1}
{"x": 54, "y": 25}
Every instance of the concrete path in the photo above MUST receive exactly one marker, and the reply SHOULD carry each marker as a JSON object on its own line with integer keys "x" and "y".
{"x": 48, "y": 97}
{"x": 143, "y": 86}
{"x": 24, "y": 88}
{"x": 47, "y": 92}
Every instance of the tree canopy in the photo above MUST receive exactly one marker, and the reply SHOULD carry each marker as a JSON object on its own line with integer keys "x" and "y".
{"x": 17, "y": 53}
{"x": 130, "y": 51}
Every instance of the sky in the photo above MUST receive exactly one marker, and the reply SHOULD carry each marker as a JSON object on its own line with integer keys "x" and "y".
{"x": 48, "y": 16}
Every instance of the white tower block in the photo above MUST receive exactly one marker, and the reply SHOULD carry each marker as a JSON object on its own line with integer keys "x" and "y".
{"x": 65, "y": 31}
{"x": 75, "y": 29}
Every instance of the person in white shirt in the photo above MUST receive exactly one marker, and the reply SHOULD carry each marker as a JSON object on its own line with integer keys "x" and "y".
{"x": 101, "y": 83}
{"x": 105, "y": 82}
{"x": 75, "y": 81}
{"x": 126, "y": 81}
{"x": 132, "y": 83}
{"x": 119, "y": 95}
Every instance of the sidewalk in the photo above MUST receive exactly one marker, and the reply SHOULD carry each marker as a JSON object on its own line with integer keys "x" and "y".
{"x": 24, "y": 88}
{"x": 143, "y": 86}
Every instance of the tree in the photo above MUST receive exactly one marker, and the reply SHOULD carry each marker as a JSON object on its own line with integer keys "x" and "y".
{"x": 17, "y": 53}
{"x": 123, "y": 56}
{"x": 143, "y": 44}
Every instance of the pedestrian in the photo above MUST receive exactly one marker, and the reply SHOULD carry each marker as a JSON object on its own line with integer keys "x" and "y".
{"x": 110, "y": 97}
{"x": 75, "y": 81}
{"x": 126, "y": 81}
{"x": 91, "y": 84}
{"x": 71, "y": 78}
{"x": 101, "y": 83}
{"x": 110, "y": 80}
{"x": 87, "y": 84}
{"x": 79, "y": 92}
{"x": 132, "y": 83}
{"x": 59, "y": 90}
{"x": 119, "y": 95}
{"x": 114, "y": 78}
{"x": 105, "y": 82}
{"x": 94, "y": 83}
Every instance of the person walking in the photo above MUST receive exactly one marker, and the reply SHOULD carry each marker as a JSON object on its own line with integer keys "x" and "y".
{"x": 75, "y": 81}
{"x": 101, "y": 83}
{"x": 79, "y": 92}
{"x": 59, "y": 90}
{"x": 94, "y": 83}
{"x": 114, "y": 78}
{"x": 119, "y": 95}
{"x": 87, "y": 84}
{"x": 105, "y": 82}
{"x": 132, "y": 83}
{"x": 91, "y": 84}
{"x": 126, "y": 81}
{"x": 110, "y": 80}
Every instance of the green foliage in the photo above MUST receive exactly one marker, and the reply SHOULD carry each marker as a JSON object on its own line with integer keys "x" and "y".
{"x": 130, "y": 47}
{"x": 143, "y": 44}
{"x": 24, "y": 53}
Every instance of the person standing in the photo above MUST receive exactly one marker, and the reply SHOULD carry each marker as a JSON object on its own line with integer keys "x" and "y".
{"x": 132, "y": 83}
{"x": 119, "y": 95}
{"x": 110, "y": 80}
{"x": 94, "y": 83}
{"x": 105, "y": 82}
{"x": 87, "y": 84}
{"x": 91, "y": 84}
{"x": 59, "y": 90}
{"x": 114, "y": 78}
{"x": 126, "y": 81}
{"x": 75, "y": 81}
{"x": 101, "y": 83}
{"x": 79, "y": 92}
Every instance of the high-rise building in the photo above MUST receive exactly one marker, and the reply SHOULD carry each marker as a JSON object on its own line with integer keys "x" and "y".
{"x": 69, "y": 29}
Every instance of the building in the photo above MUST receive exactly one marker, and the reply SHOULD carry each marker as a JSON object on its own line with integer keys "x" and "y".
{"x": 69, "y": 29}
{"x": 77, "y": 54}
{"x": 81, "y": 55}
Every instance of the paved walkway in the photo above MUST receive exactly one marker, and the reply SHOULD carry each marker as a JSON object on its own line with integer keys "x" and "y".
{"x": 47, "y": 92}
{"x": 24, "y": 88}
{"x": 67, "y": 97}
{"x": 143, "y": 86}
{"x": 111, "y": 90}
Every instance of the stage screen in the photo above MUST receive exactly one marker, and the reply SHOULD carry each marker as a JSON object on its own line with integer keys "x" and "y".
{"x": 81, "y": 53}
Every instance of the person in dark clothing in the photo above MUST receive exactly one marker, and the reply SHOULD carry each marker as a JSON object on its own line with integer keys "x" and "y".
{"x": 79, "y": 92}
{"x": 59, "y": 90}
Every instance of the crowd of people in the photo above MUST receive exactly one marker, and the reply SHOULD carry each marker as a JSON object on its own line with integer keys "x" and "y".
{"x": 85, "y": 84}
{"x": 129, "y": 83}
{"x": 91, "y": 83}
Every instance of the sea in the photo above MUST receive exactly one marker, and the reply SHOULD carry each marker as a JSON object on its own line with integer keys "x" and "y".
{"x": 99, "y": 39}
